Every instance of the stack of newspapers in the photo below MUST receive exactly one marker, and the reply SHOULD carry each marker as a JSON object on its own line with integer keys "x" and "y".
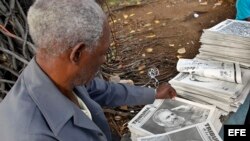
{"x": 227, "y": 41}
{"x": 224, "y": 85}
{"x": 174, "y": 119}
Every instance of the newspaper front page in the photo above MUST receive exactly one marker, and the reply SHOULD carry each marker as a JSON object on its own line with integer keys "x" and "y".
{"x": 169, "y": 115}
{"x": 213, "y": 69}
{"x": 200, "y": 132}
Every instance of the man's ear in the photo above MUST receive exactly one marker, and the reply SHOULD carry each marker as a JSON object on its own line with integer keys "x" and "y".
{"x": 76, "y": 52}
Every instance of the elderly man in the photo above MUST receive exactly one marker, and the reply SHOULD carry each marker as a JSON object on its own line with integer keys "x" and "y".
{"x": 56, "y": 97}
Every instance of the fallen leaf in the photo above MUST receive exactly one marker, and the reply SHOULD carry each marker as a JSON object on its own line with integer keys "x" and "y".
{"x": 151, "y": 36}
{"x": 143, "y": 55}
{"x": 132, "y": 31}
{"x": 157, "y": 21}
{"x": 148, "y": 24}
{"x": 125, "y": 16}
{"x": 132, "y": 111}
{"x": 203, "y": 3}
{"x": 141, "y": 72}
{"x": 219, "y": 3}
{"x": 179, "y": 56}
{"x": 131, "y": 15}
{"x": 113, "y": 43}
{"x": 141, "y": 67}
{"x": 149, "y": 13}
{"x": 181, "y": 50}
{"x": 149, "y": 50}
{"x": 150, "y": 28}
{"x": 171, "y": 45}
{"x": 118, "y": 118}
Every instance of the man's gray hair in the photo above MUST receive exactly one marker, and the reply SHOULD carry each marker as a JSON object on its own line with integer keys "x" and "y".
{"x": 57, "y": 25}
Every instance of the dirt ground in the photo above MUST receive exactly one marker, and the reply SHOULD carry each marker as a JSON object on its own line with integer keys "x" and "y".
{"x": 157, "y": 33}
{"x": 174, "y": 21}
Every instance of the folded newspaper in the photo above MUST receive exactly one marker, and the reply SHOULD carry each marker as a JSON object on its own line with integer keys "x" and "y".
{"x": 225, "y": 95}
{"x": 168, "y": 115}
{"x": 199, "y": 132}
{"x": 227, "y": 41}
{"x": 213, "y": 86}
{"x": 212, "y": 69}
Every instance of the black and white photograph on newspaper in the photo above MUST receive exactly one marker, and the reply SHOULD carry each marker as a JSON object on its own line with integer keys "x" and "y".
{"x": 190, "y": 134}
{"x": 199, "y": 132}
{"x": 172, "y": 115}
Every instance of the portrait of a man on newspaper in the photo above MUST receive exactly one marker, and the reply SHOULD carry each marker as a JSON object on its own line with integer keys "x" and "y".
{"x": 169, "y": 115}
{"x": 179, "y": 117}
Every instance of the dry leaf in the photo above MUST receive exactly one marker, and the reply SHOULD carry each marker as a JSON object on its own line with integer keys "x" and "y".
{"x": 179, "y": 56}
{"x": 148, "y": 24}
{"x": 141, "y": 72}
{"x": 171, "y": 45}
{"x": 143, "y": 55}
{"x": 149, "y": 50}
{"x": 141, "y": 67}
{"x": 125, "y": 16}
{"x": 112, "y": 44}
{"x": 150, "y": 28}
{"x": 203, "y": 3}
{"x": 157, "y": 21}
{"x": 118, "y": 118}
{"x": 151, "y": 36}
{"x": 131, "y": 15}
{"x": 219, "y": 3}
{"x": 149, "y": 13}
{"x": 181, "y": 50}
{"x": 132, "y": 31}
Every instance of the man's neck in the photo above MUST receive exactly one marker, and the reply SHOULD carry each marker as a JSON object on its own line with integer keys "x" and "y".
{"x": 55, "y": 70}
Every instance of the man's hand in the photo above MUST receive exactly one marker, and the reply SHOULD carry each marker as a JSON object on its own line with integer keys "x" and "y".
{"x": 165, "y": 91}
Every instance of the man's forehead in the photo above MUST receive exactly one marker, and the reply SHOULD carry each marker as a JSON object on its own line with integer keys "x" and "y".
{"x": 165, "y": 113}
